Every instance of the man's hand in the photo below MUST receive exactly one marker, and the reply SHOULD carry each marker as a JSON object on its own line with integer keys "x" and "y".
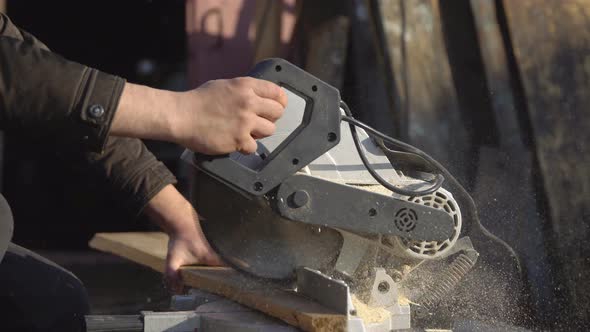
{"x": 187, "y": 244}
{"x": 228, "y": 115}
{"x": 219, "y": 117}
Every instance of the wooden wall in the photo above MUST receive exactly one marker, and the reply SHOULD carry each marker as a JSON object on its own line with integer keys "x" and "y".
{"x": 551, "y": 46}
{"x": 497, "y": 91}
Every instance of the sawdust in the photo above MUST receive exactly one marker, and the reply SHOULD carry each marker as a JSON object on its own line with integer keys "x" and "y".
{"x": 378, "y": 189}
{"x": 369, "y": 314}
{"x": 402, "y": 300}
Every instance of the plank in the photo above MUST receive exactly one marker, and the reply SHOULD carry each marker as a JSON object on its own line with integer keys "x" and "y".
{"x": 415, "y": 49}
{"x": 327, "y": 51}
{"x": 267, "y": 19}
{"x": 149, "y": 249}
{"x": 504, "y": 171}
{"x": 274, "y": 25}
{"x": 145, "y": 248}
{"x": 369, "y": 91}
{"x": 324, "y": 29}
{"x": 2, "y": 144}
{"x": 551, "y": 45}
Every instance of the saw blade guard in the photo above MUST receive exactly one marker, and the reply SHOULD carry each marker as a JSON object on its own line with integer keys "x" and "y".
{"x": 235, "y": 193}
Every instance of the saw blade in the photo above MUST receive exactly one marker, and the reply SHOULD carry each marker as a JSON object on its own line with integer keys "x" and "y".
{"x": 251, "y": 237}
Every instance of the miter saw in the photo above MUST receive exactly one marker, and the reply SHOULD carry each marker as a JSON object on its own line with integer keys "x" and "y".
{"x": 338, "y": 211}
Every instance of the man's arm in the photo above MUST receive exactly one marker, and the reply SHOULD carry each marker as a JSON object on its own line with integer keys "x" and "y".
{"x": 46, "y": 96}
{"x": 219, "y": 117}
{"x": 187, "y": 243}
{"x": 50, "y": 97}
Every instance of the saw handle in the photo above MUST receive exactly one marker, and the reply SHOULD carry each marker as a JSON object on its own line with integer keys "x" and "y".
{"x": 318, "y": 132}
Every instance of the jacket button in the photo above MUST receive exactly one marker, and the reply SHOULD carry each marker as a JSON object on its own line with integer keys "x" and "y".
{"x": 96, "y": 111}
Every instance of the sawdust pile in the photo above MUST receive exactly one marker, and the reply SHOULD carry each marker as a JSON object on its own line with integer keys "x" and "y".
{"x": 369, "y": 314}
{"x": 378, "y": 189}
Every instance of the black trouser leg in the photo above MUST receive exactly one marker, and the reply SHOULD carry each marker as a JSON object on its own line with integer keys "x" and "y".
{"x": 37, "y": 294}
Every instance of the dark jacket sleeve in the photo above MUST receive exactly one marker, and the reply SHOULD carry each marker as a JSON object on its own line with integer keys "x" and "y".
{"x": 45, "y": 96}
{"x": 132, "y": 172}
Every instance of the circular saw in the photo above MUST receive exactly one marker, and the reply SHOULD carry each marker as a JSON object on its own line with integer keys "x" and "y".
{"x": 328, "y": 195}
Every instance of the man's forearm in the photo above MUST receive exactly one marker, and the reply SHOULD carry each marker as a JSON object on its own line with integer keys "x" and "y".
{"x": 145, "y": 113}
{"x": 219, "y": 117}
{"x": 186, "y": 242}
{"x": 172, "y": 212}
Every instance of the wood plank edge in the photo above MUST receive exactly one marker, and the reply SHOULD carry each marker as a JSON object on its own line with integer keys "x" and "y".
{"x": 270, "y": 304}
{"x": 100, "y": 242}
{"x": 278, "y": 304}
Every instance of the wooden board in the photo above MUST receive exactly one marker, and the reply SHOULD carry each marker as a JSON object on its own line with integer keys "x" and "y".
{"x": 323, "y": 35}
{"x": 414, "y": 44}
{"x": 274, "y": 26}
{"x": 504, "y": 171}
{"x": 149, "y": 249}
{"x": 551, "y": 43}
{"x": 328, "y": 44}
{"x": 369, "y": 91}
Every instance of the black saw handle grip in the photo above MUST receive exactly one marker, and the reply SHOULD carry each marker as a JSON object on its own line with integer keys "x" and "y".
{"x": 318, "y": 132}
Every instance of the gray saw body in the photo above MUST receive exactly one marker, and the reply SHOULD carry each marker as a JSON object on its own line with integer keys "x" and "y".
{"x": 305, "y": 207}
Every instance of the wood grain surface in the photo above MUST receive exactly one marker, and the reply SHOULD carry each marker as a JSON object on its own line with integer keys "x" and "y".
{"x": 551, "y": 42}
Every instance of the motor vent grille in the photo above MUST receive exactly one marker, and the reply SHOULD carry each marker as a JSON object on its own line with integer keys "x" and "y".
{"x": 440, "y": 200}
{"x": 405, "y": 219}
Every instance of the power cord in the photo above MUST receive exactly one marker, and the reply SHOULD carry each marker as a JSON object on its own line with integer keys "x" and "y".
{"x": 471, "y": 209}
{"x": 436, "y": 182}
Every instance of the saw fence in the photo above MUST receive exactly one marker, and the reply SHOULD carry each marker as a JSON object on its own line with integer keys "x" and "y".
{"x": 495, "y": 90}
